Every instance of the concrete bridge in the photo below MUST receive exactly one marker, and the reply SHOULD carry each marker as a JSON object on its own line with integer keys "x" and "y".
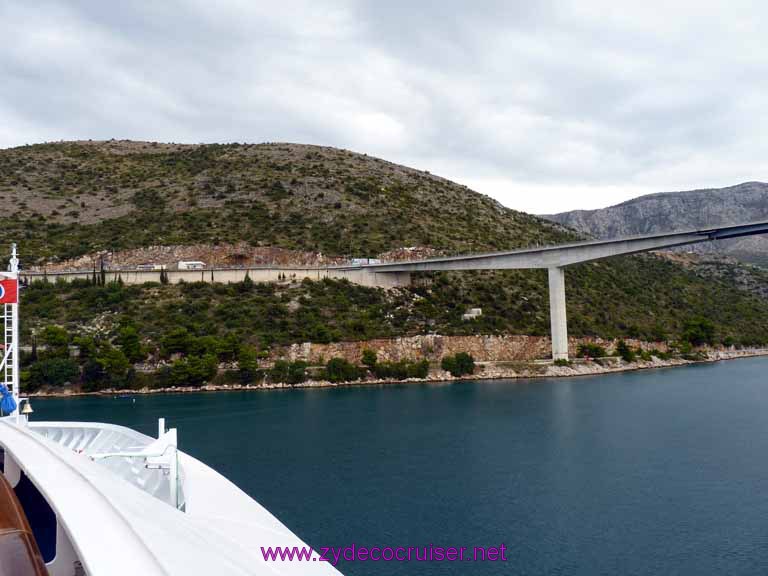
{"x": 556, "y": 258}
{"x": 389, "y": 275}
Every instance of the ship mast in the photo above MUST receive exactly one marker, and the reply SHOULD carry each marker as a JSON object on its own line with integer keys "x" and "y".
{"x": 11, "y": 333}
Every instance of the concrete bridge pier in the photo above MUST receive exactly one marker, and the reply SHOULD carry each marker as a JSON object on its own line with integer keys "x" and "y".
{"x": 557, "y": 315}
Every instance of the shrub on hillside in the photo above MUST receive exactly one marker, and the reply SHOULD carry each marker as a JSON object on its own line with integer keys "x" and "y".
{"x": 56, "y": 341}
{"x": 459, "y": 364}
{"x": 248, "y": 365}
{"x": 661, "y": 355}
{"x": 699, "y": 331}
{"x": 188, "y": 371}
{"x": 418, "y": 369}
{"x": 130, "y": 343}
{"x": 589, "y": 350}
{"x": 115, "y": 365}
{"x": 175, "y": 341}
{"x": 626, "y": 353}
{"x": 52, "y": 372}
{"x": 288, "y": 372}
{"x": 401, "y": 370}
{"x": 339, "y": 370}
{"x": 369, "y": 358}
{"x": 93, "y": 377}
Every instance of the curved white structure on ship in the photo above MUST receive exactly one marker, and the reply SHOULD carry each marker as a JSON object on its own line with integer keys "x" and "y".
{"x": 119, "y": 512}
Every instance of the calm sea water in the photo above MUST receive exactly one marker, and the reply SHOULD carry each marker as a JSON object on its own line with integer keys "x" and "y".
{"x": 658, "y": 472}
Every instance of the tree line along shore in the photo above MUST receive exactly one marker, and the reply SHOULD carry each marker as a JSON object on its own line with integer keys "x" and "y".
{"x": 485, "y": 371}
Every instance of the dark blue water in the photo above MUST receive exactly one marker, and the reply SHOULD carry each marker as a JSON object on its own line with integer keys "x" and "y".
{"x": 657, "y": 472}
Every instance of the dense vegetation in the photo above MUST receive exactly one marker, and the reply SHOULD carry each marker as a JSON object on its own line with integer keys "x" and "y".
{"x": 191, "y": 328}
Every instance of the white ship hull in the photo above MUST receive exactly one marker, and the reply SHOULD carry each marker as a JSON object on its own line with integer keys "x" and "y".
{"x": 127, "y": 504}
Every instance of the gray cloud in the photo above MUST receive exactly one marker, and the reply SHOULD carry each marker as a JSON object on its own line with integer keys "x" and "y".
{"x": 546, "y": 106}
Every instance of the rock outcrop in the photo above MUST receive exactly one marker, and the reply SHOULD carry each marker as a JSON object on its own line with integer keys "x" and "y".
{"x": 696, "y": 209}
{"x": 433, "y": 347}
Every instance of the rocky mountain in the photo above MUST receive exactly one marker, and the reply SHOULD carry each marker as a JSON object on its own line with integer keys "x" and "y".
{"x": 668, "y": 211}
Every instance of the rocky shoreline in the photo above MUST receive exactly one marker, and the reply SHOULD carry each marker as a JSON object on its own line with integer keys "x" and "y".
{"x": 485, "y": 371}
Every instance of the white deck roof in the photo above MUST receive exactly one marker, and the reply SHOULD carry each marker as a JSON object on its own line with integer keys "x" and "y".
{"x": 118, "y": 529}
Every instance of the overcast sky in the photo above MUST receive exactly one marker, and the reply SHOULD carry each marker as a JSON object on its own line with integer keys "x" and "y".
{"x": 546, "y": 106}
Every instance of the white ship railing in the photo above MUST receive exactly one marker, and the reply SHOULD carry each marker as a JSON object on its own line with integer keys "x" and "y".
{"x": 148, "y": 463}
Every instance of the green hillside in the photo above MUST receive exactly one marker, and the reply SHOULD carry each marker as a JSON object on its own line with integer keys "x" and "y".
{"x": 73, "y": 199}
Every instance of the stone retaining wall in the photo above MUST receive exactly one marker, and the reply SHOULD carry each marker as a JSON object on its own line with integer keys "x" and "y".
{"x": 433, "y": 347}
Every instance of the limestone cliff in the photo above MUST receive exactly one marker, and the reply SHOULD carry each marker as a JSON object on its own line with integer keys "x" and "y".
{"x": 668, "y": 211}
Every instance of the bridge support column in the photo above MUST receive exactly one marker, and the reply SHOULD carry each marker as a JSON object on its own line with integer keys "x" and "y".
{"x": 558, "y": 318}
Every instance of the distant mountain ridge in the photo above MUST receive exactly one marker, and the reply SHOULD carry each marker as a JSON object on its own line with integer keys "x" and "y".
{"x": 667, "y": 211}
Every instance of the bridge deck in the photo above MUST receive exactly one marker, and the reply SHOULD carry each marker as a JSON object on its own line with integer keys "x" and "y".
{"x": 566, "y": 254}
{"x": 556, "y": 258}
